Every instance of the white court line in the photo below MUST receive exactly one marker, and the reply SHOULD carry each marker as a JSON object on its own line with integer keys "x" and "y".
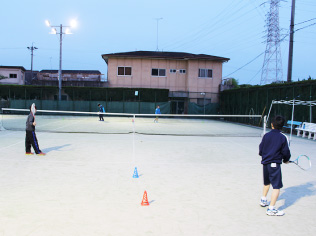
{"x": 11, "y": 145}
{"x": 46, "y": 160}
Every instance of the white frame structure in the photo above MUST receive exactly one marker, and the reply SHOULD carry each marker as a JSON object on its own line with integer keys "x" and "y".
{"x": 293, "y": 103}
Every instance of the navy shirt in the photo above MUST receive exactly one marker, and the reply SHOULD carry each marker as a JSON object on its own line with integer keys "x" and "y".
{"x": 274, "y": 148}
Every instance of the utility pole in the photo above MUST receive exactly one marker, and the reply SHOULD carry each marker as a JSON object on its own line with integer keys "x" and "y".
{"x": 32, "y": 49}
{"x": 289, "y": 68}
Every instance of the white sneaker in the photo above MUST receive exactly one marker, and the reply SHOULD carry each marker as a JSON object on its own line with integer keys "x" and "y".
{"x": 274, "y": 212}
{"x": 263, "y": 203}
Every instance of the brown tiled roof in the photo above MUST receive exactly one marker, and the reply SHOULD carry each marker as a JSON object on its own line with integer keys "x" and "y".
{"x": 14, "y": 67}
{"x": 72, "y": 71}
{"x": 164, "y": 55}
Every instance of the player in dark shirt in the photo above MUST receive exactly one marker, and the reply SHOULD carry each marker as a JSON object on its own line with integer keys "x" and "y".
{"x": 30, "y": 137}
{"x": 273, "y": 149}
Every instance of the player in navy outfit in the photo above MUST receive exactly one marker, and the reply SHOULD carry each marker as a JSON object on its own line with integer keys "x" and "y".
{"x": 273, "y": 149}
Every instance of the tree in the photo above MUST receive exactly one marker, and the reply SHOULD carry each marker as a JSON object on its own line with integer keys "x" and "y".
{"x": 3, "y": 77}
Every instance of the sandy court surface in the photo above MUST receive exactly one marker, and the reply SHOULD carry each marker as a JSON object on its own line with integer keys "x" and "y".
{"x": 195, "y": 186}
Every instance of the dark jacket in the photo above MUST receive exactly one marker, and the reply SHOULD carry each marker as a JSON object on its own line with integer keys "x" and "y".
{"x": 29, "y": 122}
{"x": 274, "y": 148}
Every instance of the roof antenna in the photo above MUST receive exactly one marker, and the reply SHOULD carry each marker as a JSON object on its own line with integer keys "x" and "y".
{"x": 157, "y": 19}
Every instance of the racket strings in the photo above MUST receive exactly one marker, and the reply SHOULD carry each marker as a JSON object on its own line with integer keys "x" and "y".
{"x": 303, "y": 162}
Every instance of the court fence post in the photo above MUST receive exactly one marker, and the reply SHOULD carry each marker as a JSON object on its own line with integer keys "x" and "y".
{"x": 264, "y": 125}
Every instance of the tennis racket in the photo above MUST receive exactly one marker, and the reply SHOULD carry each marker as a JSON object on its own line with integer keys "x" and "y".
{"x": 302, "y": 162}
{"x": 33, "y": 110}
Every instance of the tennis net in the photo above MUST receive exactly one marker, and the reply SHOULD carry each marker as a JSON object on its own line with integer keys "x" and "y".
{"x": 123, "y": 123}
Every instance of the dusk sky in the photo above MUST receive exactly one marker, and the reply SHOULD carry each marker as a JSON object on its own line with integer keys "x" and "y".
{"x": 227, "y": 28}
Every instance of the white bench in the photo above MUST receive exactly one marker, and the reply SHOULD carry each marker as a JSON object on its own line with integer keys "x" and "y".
{"x": 307, "y": 128}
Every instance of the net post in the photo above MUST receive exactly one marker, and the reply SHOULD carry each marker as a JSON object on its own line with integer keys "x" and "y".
{"x": 1, "y": 119}
{"x": 264, "y": 125}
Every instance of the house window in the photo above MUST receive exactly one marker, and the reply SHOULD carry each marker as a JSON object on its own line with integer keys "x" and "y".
{"x": 182, "y": 71}
{"x": 173, "y": 71}
{"x": 158, "y": 72}
{"x": 124, "y": 70}
{"x": 13, "y": 76}
{"x": 205, "y": 73}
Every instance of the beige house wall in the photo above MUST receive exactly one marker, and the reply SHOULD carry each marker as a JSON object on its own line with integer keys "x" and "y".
{"x": 6, "y": 73}
{"x": 175, "y": 82}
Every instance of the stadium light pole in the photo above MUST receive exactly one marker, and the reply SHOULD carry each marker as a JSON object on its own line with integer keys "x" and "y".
{"x": 54, "y": 31}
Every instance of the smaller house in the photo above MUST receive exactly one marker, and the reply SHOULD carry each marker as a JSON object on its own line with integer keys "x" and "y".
{"x": 81, "y": 78}
{"x": 12, "y": 75}
{"x": 70, "y": 75}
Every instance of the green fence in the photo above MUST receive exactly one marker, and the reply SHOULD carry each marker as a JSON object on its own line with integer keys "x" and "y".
{"x": 26, "y": 92}
{"x": 92, "y": 106}
{"x": 257, "y": 100}
{"x": 211, "y": 108}
{"x": 111, "y": 107}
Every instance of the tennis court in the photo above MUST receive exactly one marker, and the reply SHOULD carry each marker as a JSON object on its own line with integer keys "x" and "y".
{"x": 201, "y": 177}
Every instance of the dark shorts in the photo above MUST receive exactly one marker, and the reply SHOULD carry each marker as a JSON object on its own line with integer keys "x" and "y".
{"x": 272, "y": 175}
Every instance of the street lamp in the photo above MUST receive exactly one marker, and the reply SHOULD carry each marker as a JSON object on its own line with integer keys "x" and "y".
{"x": 203, "y": 94}
{"x": 73, "y": 23}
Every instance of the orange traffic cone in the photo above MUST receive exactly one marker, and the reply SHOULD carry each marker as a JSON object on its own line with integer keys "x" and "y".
{"x": 145, "y": 200}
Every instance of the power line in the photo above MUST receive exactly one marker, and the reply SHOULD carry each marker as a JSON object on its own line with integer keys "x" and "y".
{"x": 203, "y": 26}
{"x": 305, "y": 27}
{"x": 268, "y": 59}
{"x": 198, "y": 38}
{"x": 244, "y": 65}
{"x": 209, "y": 27}
{"x": 305, "y": 21}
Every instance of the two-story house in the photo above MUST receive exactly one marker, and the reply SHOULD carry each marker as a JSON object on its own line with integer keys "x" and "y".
{"x": 189, "y": 77}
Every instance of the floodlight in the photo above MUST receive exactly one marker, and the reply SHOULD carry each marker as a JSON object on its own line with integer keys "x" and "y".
{"x": 73, "y": 23}
{"x": 53, "y": 31}
{"x": 67, "y": 31}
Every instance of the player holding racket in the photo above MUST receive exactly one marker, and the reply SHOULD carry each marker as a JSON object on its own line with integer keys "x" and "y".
{"x": 30, "y": 137}
{"x": 273, "y": 148}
